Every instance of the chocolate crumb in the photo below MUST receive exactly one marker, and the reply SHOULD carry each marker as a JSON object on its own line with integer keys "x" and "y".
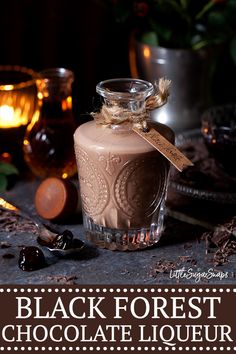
{"x": 16, "y": 223}
{"x": 187, "y": 246}
{"x": 193, "y": 261}
{"x": 187, "y": 259}
{"x": 164, "y": 266}
{"x": 184, "y": 258}
{"x": 63, "y": 279}
{"x": 8, "y": 255}
{"x": 5, "y": 244}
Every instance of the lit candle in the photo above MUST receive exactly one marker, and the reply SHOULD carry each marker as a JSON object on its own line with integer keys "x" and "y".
{"x": 10, "y": 118}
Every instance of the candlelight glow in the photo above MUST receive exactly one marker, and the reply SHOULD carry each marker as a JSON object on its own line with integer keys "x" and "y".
{"x": 18, "y": 96}
{"x": 10, "y": 118}
{"x": 40, "y": 95}
{"x": 146, "y": 52}
{"x": 6, "y": 205}
{"x": 64, "y": 175}
{"x": 34, "y": 119}
{"x": 8, "y": 87}
{"x": 66, "y": 103}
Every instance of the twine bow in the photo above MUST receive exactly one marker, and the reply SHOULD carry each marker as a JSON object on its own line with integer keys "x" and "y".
{"x": 116, "y": 114}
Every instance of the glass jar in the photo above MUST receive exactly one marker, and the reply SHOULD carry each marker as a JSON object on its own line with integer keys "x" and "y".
{"x": 18, "y": 104}
{"x": 123, "y": 179}
{"x": 48, "y": 143}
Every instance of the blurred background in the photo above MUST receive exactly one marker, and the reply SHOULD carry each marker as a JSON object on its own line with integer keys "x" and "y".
{"x": 78, "y": 35}
{"x": 82, "y": 36}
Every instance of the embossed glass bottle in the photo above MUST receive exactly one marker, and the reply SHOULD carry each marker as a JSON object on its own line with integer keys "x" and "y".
{"x": 123, "y": 179}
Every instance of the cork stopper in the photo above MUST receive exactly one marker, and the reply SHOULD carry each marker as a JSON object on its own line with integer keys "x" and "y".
{"x": 56, "y": 199}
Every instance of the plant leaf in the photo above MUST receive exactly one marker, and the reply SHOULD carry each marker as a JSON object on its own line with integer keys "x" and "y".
{"x": 8, "y": 169}
{"x": 184, "y": 4}
{"x": 149, "y": 38}
{"x": 3, "y": 183}
{"x": 217, "y": 19}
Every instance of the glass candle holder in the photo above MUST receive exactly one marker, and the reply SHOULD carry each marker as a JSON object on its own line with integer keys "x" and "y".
{"x": 123, "y": 179}
{"x": 18, "y": 104}
{"x": 219, "y": 133}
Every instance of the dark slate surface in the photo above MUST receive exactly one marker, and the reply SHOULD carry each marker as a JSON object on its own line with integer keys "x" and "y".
{"x": 180, "y": 247}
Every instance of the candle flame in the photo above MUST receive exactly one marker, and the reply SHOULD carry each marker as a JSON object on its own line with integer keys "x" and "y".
{"x": 8, "y": 87}
{"x": 10, "y": 117}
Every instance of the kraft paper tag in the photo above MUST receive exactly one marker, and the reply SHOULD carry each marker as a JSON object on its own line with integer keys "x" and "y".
{"x": 165, "y": 148}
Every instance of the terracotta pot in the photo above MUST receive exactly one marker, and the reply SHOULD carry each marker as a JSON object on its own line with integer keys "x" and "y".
{"x": 190, "y": 73}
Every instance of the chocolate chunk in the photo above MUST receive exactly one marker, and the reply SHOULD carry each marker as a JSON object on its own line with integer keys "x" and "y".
{"x": 219, "y": 237}
{"x": 224, "y": 238}
{"x": 63, "y": 241}
{"x": 206, "y": 173}
{"x": 77, "y": 243}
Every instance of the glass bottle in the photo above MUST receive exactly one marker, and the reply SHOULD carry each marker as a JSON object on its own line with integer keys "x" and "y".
{"x": 123, "y": 179}
{"x": 48, "y": 143}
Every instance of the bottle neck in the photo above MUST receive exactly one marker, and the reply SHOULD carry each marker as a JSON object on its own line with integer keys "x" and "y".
{"x": 54, "y": 96}
{"x": 117, "y": 113}
{"x": 124, "y": 101}
{"x": 56, "y": 108}
{"x": 58, "y": 88}
{"x": 125, "y": 105}
{"x": 55, "y": 82}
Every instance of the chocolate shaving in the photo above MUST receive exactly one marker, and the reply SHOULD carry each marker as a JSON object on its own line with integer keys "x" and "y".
{"x": 188, "y": 246}
{"x": 164, "y": 266}
{"x": 63, "y": 279}
{"x": 224, "y": 239}
{"x": 184, "y": 258}
{"x": 10, "y": 221}
{"x": 187, "y": 259}
{"x": 219, "y": 238}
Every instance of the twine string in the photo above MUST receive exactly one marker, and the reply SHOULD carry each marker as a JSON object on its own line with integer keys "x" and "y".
{"x": 116, "y": 114}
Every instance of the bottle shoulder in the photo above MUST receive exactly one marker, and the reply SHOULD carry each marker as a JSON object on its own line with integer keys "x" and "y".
{"x": 99, "y": 137}
{"x": 91, "y": 133}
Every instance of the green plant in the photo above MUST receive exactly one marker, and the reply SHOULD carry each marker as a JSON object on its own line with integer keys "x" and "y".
{"x": 180, "y": 23}
{"x": 6, "y": 170}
